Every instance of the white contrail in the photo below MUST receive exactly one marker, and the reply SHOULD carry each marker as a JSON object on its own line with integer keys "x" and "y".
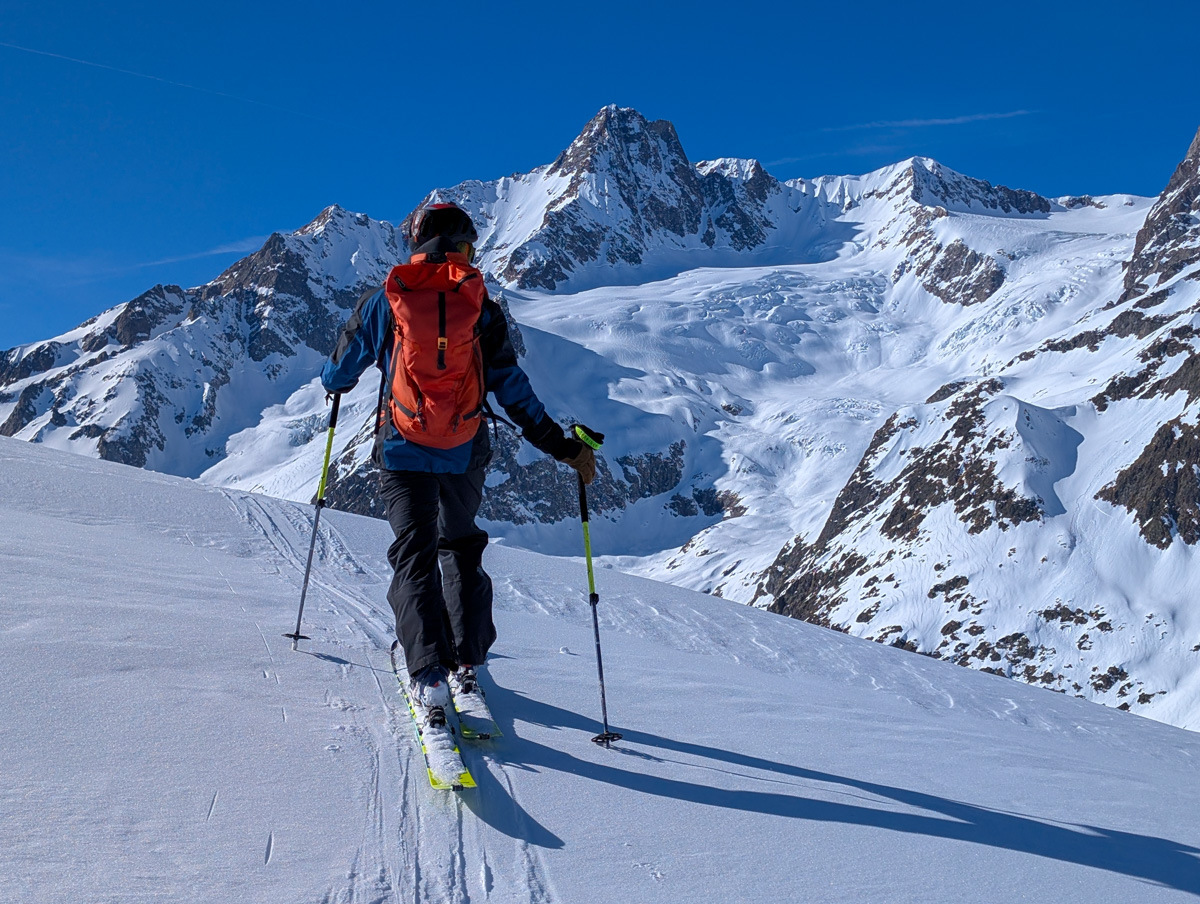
{"x": 153, "y": 78}
{"x": 242, "y": 247}
{"x": 916, "y": 123}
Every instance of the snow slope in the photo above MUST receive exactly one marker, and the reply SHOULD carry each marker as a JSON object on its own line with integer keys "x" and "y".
{"x": 161, "y": 742}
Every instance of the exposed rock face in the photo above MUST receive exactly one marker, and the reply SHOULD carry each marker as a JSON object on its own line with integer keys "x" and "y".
{"x": 958, "y": 468}
{"x": 737, "y": 192}
{"x": 139, "y": 318}
{"x": 1141, "y": 383}
{"x": 1076, "y": 202}
{"x": 954, "y": 273}
{"x": 19, "y": 364}
{"x": 937, "y": 186}
{"x": 1162, "y": 487}
{"x": 920, "y": 469}
{"x": 1169, "y": 242}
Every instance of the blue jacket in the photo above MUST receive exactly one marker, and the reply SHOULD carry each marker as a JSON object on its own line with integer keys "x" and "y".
{"x": 366, "y": 340}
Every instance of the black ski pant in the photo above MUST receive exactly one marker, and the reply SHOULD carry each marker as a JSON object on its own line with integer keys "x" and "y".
{"x": 441, "y": 617}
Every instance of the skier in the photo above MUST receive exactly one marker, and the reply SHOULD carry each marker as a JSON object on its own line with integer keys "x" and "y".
{"x": 442, "y": 345}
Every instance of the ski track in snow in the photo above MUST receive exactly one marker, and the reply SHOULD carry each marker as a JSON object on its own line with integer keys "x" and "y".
{"x": 422, "y": 843}
{"x": 212, "y": 807}
{"x": 285, "y": 530}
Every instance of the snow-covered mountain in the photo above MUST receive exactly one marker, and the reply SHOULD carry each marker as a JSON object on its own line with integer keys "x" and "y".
{"x": 160, "y": 741}
{"x": 911, "y": 405}
{"x": 1036, "y": 516}
{"x": 164, "y": 380}
{"x": 623, "y": 204}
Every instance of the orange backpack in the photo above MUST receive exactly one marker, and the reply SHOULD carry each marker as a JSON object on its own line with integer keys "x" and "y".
{"x": 436, "y": 390}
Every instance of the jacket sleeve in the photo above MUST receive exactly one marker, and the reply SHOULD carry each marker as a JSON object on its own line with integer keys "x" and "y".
{"x": 510, "y": 385}
{"x": 360, "y": 344}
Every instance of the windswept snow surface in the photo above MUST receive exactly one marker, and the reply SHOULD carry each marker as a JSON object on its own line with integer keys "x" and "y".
{"x": 161, "y": 741}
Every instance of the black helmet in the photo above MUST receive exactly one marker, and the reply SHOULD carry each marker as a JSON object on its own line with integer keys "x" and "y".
{"x": 448, "y": 220}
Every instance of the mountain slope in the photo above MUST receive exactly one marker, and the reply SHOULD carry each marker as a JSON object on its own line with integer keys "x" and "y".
{"x": 162, "y": 741}
{"x": 1036, "y": 518}
{"x": 164, "y": 380}
{"x": 910, "y": 404}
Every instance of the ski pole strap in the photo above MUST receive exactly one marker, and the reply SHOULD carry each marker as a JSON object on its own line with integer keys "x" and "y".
{"x": 592, "y": 438}
{"x": 333, "y": 415}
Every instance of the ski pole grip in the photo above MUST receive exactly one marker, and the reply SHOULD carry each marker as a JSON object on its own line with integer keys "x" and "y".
{"x": 337, "y": 401}
{"x": 583, "y": 506}
{"x": 590, "y": 437}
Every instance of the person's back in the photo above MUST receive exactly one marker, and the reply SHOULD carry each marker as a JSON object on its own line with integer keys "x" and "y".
{"x": 442, "y": 345}
{"x": 435, "y": 388}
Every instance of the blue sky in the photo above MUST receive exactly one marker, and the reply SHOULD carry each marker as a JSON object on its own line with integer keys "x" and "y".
{"x": 152, "y": 142}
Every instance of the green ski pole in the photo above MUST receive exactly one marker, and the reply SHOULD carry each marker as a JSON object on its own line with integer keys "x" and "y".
{"x": 594, "y": 440}
{"x": 296, "y": 636}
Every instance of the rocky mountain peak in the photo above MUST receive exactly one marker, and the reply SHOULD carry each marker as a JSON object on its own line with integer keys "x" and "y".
{"x": 262, "y": 323}
{"x": 622, "y": 195}
{"x": 273, "y": 266}
{"x": 334, "y": 217}
{"x": 337, "y": 251}
{"x": 749, "y": 174}
{"x": 1169, "y": 241}
{"x": 636, "y": 171}
{"x": 622, "y": 139}
{"x": 935, "y": 185}
{"x": 924, "y": 182}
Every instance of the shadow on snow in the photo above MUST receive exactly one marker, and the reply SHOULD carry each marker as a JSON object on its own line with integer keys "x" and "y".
{"x": 1157, "y": 860}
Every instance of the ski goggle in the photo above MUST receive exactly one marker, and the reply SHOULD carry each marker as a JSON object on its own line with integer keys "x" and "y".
{"x": 468, "y": 249}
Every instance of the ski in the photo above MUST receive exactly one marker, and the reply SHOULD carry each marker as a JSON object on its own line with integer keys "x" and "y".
{"x": 443, "y": 762}
{"x": 474, "y": 716}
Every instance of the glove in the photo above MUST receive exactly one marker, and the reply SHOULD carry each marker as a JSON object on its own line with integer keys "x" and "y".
{"x": 568, "y": 449}
{"x": 583, "y": 461}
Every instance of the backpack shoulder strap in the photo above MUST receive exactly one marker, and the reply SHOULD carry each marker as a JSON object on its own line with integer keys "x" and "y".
{"x": 384, "y": 389}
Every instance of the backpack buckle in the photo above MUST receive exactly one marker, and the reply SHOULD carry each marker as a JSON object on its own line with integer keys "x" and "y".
{"x": 443, "y": 343}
